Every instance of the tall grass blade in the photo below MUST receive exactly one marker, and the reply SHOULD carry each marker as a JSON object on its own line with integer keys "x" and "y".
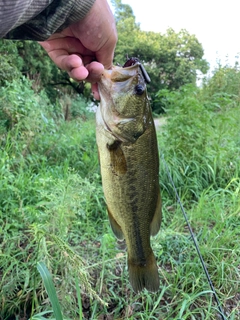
{"x": 48, "y": 283}
{"x": 40, "y": 315}
{"x": 79, "y": 298}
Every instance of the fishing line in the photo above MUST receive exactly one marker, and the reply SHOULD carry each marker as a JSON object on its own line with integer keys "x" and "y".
{"x": 195, "y": 243}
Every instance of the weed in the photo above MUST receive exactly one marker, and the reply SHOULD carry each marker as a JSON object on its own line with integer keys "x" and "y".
{"x": 52, "y": 210}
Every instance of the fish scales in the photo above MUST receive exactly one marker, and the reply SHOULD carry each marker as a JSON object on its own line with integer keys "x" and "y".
{"x": 129, "y": 162}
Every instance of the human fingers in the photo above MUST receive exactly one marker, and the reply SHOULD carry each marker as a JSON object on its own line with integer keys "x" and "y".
{"x": 108, "y": 41}
{"x": 95, "y": 92}
{"x": 73, "y": 64}
{"x": 70, "y": 44}
{"x": 95, "y": 70}
{"x": 97, "y": 32}
{"x": 62, "y": 52}
{"x": 106, "y": 34}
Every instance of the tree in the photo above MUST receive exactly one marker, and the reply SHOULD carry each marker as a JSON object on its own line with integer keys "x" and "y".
{"x": 10, "y": 62}
{"x": 171, "y": 59}
{"x": 29, "y": 59}
{"x": 225, "y": 79}
{"x": 122, "y": 11}
{"x": 40, "y": 68}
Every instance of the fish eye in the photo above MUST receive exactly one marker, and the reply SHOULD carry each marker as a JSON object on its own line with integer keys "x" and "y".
{"x": 139, "y": 89}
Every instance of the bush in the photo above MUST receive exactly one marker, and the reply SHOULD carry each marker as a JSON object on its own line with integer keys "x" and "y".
{"x": 225, "y": 81}
{"x": 46, "y": 200}
{"x": 36, "y": 132}
{"x": 201, "y": 141}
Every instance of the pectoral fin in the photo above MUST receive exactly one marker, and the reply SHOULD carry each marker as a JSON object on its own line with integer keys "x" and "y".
{"x": 115, "y": 226}
{"x": 157, "y": 218}
{"x": 118, "y": 161}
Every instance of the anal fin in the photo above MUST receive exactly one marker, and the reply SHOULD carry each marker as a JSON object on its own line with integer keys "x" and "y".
{"x": 157, "y": 218}
{"x": 115, "y": 226}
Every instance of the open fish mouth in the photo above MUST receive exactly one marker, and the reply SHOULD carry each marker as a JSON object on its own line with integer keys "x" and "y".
{"x": 132, "y": 61}
{"x": 128, "y": 81}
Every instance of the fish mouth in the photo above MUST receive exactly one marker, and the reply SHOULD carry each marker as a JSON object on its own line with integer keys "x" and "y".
{"x": 132, "y": 62}
{"x": 131, "y": 79}
{"x": 130, "y": 65}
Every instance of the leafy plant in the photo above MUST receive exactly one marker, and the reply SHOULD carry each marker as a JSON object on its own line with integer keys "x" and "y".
{"x": 48, "y": 283}
{"x": 172, "y": 59}
{"x": 200, "y": 143}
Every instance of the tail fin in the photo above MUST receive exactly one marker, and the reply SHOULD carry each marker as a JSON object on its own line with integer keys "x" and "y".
{"x": 144, "y": 276}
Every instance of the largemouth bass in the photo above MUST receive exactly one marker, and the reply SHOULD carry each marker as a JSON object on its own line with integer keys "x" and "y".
{"x": 129, "y": 162}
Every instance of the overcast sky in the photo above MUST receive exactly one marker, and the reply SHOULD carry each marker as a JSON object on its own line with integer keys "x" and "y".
{"x": 216, "y": 24}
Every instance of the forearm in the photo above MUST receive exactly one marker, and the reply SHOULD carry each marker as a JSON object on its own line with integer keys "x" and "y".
{"x": 38, "y": 20}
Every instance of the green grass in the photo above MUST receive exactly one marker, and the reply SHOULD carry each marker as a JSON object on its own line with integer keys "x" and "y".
{"x": 52, "y": 215}
{"x": 55, "y": 204}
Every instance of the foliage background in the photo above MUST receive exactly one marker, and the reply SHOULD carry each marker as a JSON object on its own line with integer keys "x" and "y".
{"x": 171, "y": 59}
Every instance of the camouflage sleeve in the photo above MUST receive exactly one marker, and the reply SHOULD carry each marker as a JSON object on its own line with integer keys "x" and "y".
{"x": 39, "y": 19}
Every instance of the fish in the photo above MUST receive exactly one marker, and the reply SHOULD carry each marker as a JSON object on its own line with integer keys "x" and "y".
{"x": 129, "y": 165}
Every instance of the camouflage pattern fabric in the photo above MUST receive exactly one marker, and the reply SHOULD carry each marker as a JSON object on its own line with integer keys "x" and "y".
{"x": 39, "y": 19}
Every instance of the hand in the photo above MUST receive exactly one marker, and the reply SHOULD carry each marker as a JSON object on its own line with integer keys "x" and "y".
{"x": 85, "y": 48}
